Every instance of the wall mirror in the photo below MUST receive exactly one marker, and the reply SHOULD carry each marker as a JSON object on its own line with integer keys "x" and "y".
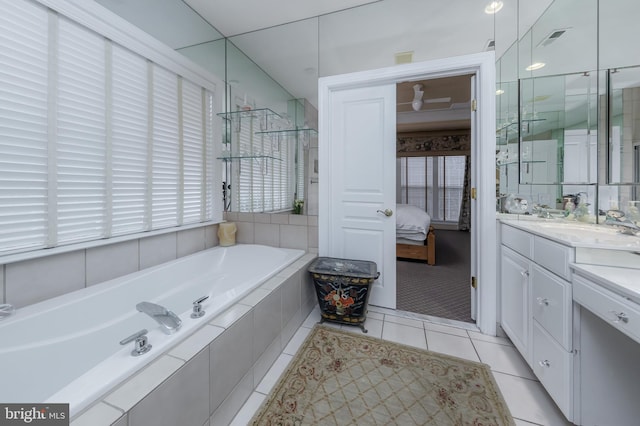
{"x": 577, "y": 89}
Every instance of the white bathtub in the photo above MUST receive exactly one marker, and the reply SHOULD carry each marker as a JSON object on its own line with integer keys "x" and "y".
{"x": 67, "y": 349}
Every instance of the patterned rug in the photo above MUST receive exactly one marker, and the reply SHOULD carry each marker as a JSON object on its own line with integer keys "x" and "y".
{"x": 341, "y": 378}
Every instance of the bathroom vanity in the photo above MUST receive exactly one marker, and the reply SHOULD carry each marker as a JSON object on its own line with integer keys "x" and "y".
{"x": 571, "y": 306}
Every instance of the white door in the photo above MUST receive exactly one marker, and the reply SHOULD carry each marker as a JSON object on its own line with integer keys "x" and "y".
{"x": 474, "y": 235}
{"x": 362, "y": 179}
{"x": 347, "y": 220}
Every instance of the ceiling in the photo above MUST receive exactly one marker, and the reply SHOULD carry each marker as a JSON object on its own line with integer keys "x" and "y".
{"x": 297, "y": 41}
{"x": 446, "y": 105}
{"x": 232, "y": 18}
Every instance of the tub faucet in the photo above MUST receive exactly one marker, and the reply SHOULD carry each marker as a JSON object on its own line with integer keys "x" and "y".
{"x": 169, "y": 322}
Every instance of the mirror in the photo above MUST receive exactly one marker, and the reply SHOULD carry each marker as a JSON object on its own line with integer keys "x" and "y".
{"x": 568, "y": 143}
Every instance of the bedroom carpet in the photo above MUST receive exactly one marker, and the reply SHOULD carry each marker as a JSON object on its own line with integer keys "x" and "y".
{"x": 441, "y": 290}
{"x": 342, "y": 378}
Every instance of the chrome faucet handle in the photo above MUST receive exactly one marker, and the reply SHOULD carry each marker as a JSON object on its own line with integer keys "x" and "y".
{"x": 141, "y": 345}
{"x": 197, "y": 307}
{"x": 6, "y": 310}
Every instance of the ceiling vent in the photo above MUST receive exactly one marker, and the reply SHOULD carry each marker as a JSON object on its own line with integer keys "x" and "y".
{"x": 404, "y": 57}
{"x": 552, "y": 36}
{"x": 491, "y": 45}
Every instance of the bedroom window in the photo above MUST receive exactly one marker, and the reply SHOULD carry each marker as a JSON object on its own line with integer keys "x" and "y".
{"x": 434, "y": 184}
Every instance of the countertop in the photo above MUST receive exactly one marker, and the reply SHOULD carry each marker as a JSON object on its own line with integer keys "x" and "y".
{"x": 574, "y": 234}
{"x": 622, "y": 281}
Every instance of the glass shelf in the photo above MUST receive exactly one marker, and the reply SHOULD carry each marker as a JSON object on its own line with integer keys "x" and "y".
{"x": 247, "y": 157}
{"x": 250, "y": 113}
{"x": 311, "y": 132}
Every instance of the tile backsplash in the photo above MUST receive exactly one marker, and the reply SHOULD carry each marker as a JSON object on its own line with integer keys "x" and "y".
{"x": 277, "y": 229}
{"x": 30, "y": 281}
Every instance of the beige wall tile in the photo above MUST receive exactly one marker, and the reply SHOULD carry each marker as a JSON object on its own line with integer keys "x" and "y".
{"x": 157, "y": 249}
{"x": 112, "y": 261}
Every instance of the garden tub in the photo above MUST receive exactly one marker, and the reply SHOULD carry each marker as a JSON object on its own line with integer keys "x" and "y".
{"x": 67, "y": 349}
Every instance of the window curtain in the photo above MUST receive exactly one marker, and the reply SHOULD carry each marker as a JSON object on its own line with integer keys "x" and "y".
{"x": 464, "y": 222}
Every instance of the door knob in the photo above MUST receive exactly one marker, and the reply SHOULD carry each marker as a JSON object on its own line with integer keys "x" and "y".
{"x": 386, "y": 212}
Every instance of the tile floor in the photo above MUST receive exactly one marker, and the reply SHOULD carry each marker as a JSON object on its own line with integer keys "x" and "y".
{"x": 527, "y": 400}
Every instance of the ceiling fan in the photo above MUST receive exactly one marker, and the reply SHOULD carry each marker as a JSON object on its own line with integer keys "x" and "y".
{"x": 418, "y": 101}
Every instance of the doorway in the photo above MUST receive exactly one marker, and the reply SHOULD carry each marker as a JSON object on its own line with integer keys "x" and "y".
{"x": 433, "y": 163}
{"x": 356, "y": 114}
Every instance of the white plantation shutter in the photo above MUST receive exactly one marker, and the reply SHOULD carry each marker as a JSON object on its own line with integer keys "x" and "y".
{"x": 23, "y": 125}
{"x": 96, "y": 140}
{"x": 212, "y": 193}
{"x": 81, "y": 128}
{"x": 263, "y": 164}
{"x": 192, "y": 151}
{"x": 129, "y": 136}
{"x": 165, "y": 157}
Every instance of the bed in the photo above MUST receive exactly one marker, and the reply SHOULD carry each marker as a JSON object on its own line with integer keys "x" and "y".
{"x": 415, "y": 238}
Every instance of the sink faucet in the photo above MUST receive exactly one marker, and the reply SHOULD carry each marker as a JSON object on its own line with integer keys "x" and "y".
{"x": 170, "y": 322}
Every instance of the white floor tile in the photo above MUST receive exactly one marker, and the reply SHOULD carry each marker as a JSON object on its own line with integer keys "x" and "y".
{"x": 475, "y": 335}
{"x": 505, "y": 359}
{"x": 446, "y": 329}
{"x": 296, "y": 341}
{"x": 404, "y": 321}
{"x": 272, "y": 376}
{"x": 527, "y": 400}
{"x": 404, "y": 334}
{"x": 312, "y": 319}
{"x": 451, "y": 345}
{"x": 248, "y": 409}
{"x": 524, "y": 423}
{"x": 375, "y": 315}
{"x": 373, "y": 327}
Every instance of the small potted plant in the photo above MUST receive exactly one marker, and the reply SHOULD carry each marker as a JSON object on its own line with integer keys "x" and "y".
{"x": 298, "y": 205}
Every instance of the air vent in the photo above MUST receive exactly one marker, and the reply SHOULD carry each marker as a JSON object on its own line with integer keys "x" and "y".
{"x": 491, "y": 45}
{"x": 404, "y": 57}
{"x": 552, "y": 36}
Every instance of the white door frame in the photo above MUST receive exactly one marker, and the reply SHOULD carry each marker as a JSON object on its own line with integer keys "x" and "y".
{"x": 483, "y": 156}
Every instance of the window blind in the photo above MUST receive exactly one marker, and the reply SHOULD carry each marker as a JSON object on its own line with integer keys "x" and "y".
{"x": 165, "y": 149}
{"x": 129, "y": 128}
{"x": 81, "y": 133}
{"x": 192, "y": 150}
{"x": 95, "y": 139}
{"x": 23, "y": 125}
{"x": 434, "y": 184}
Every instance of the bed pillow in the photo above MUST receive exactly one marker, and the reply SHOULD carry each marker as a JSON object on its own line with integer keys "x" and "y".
{"x": 412, "y": 218}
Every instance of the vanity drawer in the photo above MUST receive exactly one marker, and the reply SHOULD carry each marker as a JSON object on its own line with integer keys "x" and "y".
{"x": 553, "y": 256}
{"x": 617, "y": 311}
{"x": 551, "y": 304}
{"x": 554, "y": 368}
{"x": 520, "y": 241}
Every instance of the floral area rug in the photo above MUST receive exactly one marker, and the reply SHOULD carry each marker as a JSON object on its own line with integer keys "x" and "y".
{"x": 342, "y": 378}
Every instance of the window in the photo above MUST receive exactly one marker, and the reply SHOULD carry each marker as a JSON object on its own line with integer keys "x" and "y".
{"x": 95, "y": 140}
{"x": 434, "y": 184}
{"x": 262, "y": 163}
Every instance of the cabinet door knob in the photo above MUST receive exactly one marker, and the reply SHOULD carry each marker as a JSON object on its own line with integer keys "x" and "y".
{"x": 620, "y": 317}
{"x": 543, "y": 301}
{"x": 544, "y": 363}
{"x": 524, "y": 273}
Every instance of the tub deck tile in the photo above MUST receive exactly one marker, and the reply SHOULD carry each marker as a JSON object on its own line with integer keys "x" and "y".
{"x": 230, "y": 316}
{"x": 196, "y": 342}
{"x": 272, "y": 283}
{"x": 100, "y": 414}
{"x": 140, "y": 385}
{"x": 255, "y": 297}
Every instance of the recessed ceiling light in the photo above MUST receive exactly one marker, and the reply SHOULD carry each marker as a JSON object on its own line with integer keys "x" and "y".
{"x": 535, "y": 66}
{"x": 493, "y": 7}
{"x": 499, "y": 92}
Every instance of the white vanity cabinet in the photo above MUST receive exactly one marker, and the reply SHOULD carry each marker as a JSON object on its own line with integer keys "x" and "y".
{"x": 536, "y": 308}
{"x": 608, "y": 330}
